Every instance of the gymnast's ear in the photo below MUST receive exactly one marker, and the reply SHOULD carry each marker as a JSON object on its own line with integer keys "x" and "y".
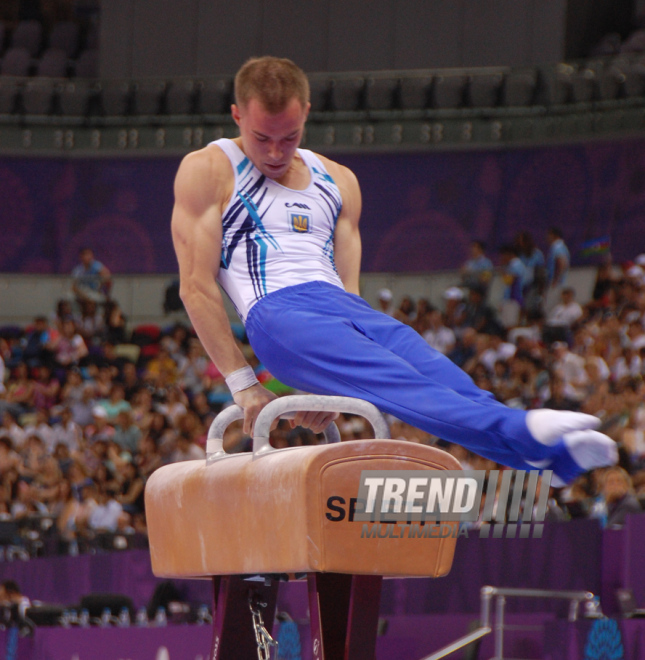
{"x": 235, "y": 113}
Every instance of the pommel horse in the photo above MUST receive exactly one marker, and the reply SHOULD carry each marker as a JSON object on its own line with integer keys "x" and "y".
{"x": 267, "y": 513}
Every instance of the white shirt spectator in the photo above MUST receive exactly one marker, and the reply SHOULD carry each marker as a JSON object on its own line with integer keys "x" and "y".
{"x": 106, "y": 516}
{"x": 499, "y": 350}
{"x": 564, "y": 315}
{"x": 69, "y": 434}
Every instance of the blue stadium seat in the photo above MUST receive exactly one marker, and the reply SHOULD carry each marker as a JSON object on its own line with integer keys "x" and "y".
{"x": 87, "y": 64}
{"x": 583, "y": 84}
{"x": 519, "y": 89}
{"x": 448, "y": 91}
{"x": 319, "y": 89}
{"x": 53, "y": 64}
{"x": 415, "y": 92}
{"x": 215, "y": 96}
{"x": 182, "y": 96}
{"x": 74, "y": 98}
{"x": 347, "y": 94}
{"x": 16, "y": 62}
{"x": 115, "y": 97}
{"x": 382, "y": 93}
{"x": 149, "y": 97}
{"x": 65, "y": 37}
{"x": 484, "y": 89}
{"x": 555, "y": 85}
{"x": 38, "y": 96}
{"x": 9, "y": 95}
{"x": 28, "y": 35}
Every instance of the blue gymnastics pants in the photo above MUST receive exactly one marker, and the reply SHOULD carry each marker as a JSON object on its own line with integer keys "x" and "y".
{"x": 318, "y": 338}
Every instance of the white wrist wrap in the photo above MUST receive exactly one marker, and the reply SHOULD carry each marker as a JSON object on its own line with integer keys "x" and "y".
{"x": 241, "y": 379}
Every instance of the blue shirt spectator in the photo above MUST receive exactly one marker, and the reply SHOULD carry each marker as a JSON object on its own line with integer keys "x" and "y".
{"x": 478, "y": 270}
{"x": 92, "y": 280}
{"x": 557, "y": 260}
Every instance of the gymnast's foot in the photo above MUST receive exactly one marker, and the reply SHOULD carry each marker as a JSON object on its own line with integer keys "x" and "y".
{"x": 579, "y": 452}
{"x": 577, "y": 446}
{"x": 548, "y": 426}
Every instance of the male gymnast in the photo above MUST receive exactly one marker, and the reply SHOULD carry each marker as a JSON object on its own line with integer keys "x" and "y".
{"x": 277, "y": 227}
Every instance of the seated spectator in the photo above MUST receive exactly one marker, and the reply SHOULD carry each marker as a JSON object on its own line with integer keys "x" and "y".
{"x": 496, "y": 349}
{"x": 175, "y": 405}
{"x": 10, "y": 594}
{"x": 126, "y": 433}
{"x": 116, "y": 402}
{"x": 478, "y": 270}
{"x": 46, "y": 388}
{"x": 186, "y": 450}
{"x": 405, "y": 312}
{"x": 39, "y": 425}
{"x": 618, "y": 493}
{"x": 176, "y": 342}
{"x": 438, "y": 335}
{"x": 12, "y": 430}
{"x": 63, "y": 457}
{"x": 162, "y": 432}
{"x": 66, "y": 509}
{"x": 571, "y": 370}
{"x": 130, "y": 494}
{"x": 479, "y": 315}
{"x": 9, "y": 459}
{"x": 161, "y": 371}
{"x": 25, "y": 502}
{"x": 130, "y": 380}
{"x": 535, "y": 272}
{"x": 91, "y": 279}
{"x": 90, "y": 323}
{"x": 514, "y": 277}
{"x": 558, "y": 399}
{"x": 107, "y": 515}
{"x": 78, "y": 396}
{"x": 385, "y": 302}
{"x": 39, "y": 342}
{"x": 115, "y": 325}
{"x": 465, "y": 348}
{"x": 192, "y": 369}
{"x": 104, "y": 382}
{"x": 70, "y": 348}
{"x": 148, "y": 458}
{"x": 21, "y": 388}
{"x": 100, "y": 428}
{"x": 455, "y": 307}
{"x": 200, "y": 406}
{"x": 561, "y": 319}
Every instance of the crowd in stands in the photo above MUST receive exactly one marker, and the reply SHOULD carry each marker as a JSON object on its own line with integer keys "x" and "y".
{"x": 541, "y": 348}
{"x": 91, "y": 407}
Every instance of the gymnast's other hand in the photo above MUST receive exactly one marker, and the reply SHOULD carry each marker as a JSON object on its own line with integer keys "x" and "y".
{"x": 252, "y": 400}
{"x": 317, "y": 421}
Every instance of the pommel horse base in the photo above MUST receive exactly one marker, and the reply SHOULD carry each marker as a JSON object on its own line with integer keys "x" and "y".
{"x": 266, "y": 513}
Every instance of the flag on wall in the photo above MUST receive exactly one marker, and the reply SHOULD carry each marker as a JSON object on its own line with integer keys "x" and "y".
{"x": 595, "y": 247}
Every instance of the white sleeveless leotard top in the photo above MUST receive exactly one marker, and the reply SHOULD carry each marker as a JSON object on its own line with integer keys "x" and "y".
{"x": 272, "y": 236}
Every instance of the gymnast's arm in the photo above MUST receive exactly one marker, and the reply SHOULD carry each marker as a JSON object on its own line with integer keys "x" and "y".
{"x": 347, "y": 238}
{"x": 203, "y": 186}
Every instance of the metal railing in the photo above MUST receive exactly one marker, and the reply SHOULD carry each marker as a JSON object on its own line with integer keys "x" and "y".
{"x": 501, "y": 594}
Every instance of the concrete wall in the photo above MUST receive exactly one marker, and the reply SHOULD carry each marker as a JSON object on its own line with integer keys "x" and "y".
{"x": 141, "y": 38}
{"x": 22, "y": 297}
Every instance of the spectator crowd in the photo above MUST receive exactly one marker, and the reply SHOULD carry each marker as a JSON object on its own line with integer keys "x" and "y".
{"x": 91, "y": 407}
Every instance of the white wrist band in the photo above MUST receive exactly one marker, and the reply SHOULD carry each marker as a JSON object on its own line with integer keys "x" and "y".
{"x": 241, "y": 379}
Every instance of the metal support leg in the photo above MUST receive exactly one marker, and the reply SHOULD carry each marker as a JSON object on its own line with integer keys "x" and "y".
{"x": 344, "y": 613}
{"x": 233, "y": 634}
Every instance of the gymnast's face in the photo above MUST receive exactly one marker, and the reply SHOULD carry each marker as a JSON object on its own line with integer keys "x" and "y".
{"x": 271, "y": 140}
